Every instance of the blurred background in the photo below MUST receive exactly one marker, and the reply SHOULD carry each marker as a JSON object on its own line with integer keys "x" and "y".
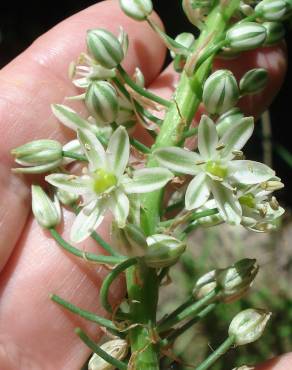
{"x": 21, "y": 24}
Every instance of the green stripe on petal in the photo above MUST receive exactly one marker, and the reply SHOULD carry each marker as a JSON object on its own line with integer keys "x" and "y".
{"x": 178, "y": 160}
{"x": 118, "y": 151}
{"x": 249, "y": 172}
{"x": 119, "y": 206}
{"x": 236, "y": 136}
{"x": 207, "y": 137}
{"x": 93, "y": 149}
{"x": 43, "y": 168}
{"x": 228, "y": 206}
{"x": 87, "y": 220}
{"x": 73, "y": 184}
{"x": 147, "y": 180}
{"x": 197, "y": 192}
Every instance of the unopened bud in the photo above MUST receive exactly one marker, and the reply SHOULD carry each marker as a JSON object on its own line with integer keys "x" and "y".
{"x": 271, "y": 10}
{"x": 139, "y": 77}
{"x": 234, "y": 281}
{"x": 46, "y": 211}
{"x": 272, "y": 185}
{"x": 123, "y": 40}
{"x": 116, "y": 348}
{"x": 186, "y": 39}
{"x": 248, "y": 325}
{"x": 130, "y": 240}
{"x": 196, "y": 10}
{"x": 137, "y": 9}
{"x": 105, "y": 48}
{"x": 275, "y": 32}
{"x": 244, "y": 367}
{"x": 66, "y": 198}
{"x": 102, "y": 101}
{"x": 205, "y": 284}
{"x": 246, "y": 36}
{"x": 253, "y": 81}
{"x": 274, "y": 204}
{"x": 228, "y": 119}
{"x": 38, "y": 152}
{"x": 220, "y": 92}
{"x": 163, "y": 251}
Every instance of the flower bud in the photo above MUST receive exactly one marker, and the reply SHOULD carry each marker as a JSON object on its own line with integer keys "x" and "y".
{"x": 234, "y": 281}
{"x": 196, "y": 10}
{"x": 46, "y": 211}
{"x": 272, "y": 185}
{"x": 253, "y": 81}
{"x": 275, "y": 32}
{"x": 246, "y": 36}
{"x": 220, "y": 92}
{"x": 137, "y": 9}
{"x": 227, "y": 119}
{"x": 66, "y": 198}
{"x": 248, "y": 325}
{"x": 105, "y": 48}
{"x": 123, "y": 40}
{"x": 271, "y": 10}
{"x": 244, "y": 367}
{"x": 130, "y": 240}
{"x": 186, "y": 39}
{"x": 38, "y": 152}
{"x": 205, "y": 285}
{"x": 117, "y": 348}
{"x": 163, "y": 251}
{"x": 139, "y": 77}
{"x": 102, "y": 101}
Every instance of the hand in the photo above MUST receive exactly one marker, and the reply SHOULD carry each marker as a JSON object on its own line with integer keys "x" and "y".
{"x": 34, "y": 332}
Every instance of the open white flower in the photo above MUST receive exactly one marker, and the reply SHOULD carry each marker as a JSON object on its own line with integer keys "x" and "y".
{"x": 105, "y": 185}
{"x": 214, "y": 167}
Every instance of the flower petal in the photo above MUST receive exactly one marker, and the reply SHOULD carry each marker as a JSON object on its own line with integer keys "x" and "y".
{"x": 93, "y": 149}
{"x": 87, "y": 220}
{"x": 74, "y": 184}
{"x": 178, "y": 159}
{"x": 197, "y": 192}
{"x": 70, "y": 118}
{"x": 119, "y": 205}
{"x": 118, "y": 151}
{"x": 147, "y": 180}
{"x": 207, "y": 137}
{"x": 229, "y": 207}
{"x": 249, "y": 172}
{"x": 236, "y": 136}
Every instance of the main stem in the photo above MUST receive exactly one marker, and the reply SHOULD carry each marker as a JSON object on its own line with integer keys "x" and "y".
{"x": 143, "y": 290}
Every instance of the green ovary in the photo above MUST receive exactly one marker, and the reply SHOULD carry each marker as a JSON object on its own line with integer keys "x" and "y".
{"x": 247, "y": 200}
{"x": 216, "y": 168}
{"x": 103, "y": 180}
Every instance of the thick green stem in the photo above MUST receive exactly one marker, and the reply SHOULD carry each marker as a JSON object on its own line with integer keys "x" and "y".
{"x": 216, "y": 354}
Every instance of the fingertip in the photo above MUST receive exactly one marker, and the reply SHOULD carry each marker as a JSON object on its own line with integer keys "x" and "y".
{"x": 283, "y": 362}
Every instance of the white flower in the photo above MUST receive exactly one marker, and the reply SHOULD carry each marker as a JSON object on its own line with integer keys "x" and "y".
{"x": 105, "y": 185}
{"x": 215, "y": 169}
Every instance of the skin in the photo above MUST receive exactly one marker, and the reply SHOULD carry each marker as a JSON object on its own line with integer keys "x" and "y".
{"x": 35, "y": 333}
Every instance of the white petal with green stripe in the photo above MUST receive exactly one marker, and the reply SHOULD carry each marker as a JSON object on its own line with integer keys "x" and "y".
{"x": 118, "y": 151}
{"x": 119, "y": 206}
{"x": 93, "y": 149}
{"x": 207, "y": 137}
{"x": 249, "y": 172}
{"x": 74, "y": 184}
{"x": 197, "y": 192}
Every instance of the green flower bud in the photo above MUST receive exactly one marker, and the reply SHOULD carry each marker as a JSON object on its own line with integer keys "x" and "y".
{"x": 46, "y": 211}
{"x": 196, "y": 10}
{"x": 123, "y": 40}
{"x": 101, "y": 100}
{"x": 253, "y": 81}
{"x": 129, "y": 241}
{"x": 227, "y": 119}
{"x": 248, "y": 325}
{"x": 137, "y": 9}
{"x": 186, "y": 39}
{"x": 275, "y": 32}
{"x": 139, "y": 77}
{"x": 234, "y": 281}
{"x": 38, "y": 152}
{"x": 66, "y": 198}
{"x": 246, "y": 36}
{"x": 117, "y": 348}
{"x": 220, "y": 92}
{"x": 163, "y": 251}
{"x": 271, "y": 10}
{"x": 205, "y": 284}
{"x": 105, "y": 48}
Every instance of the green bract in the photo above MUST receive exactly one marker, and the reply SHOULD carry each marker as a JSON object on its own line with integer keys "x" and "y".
{"x": 46, "y": 211}
{"x": 248, "y": 325}
{"x": 220, "y": 92}
{"x": 246, "y": 36}
{"x": 101, "y": 100}
{"x": 137, "y": 9}
{"x": 271, "y": 10}
{"x": 275, "y": 32}
{"x": 253, "y": 81}
{"x": 105, "y": 48}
